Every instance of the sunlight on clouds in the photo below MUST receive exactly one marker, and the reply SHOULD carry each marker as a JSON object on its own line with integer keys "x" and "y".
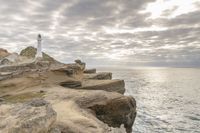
{"x": 119, "y": 54}
{"x": 172, "y": 47}
{"x": 142, "y": 50}
{"x": 183, "y": 6}
{"x": 110, "y": 30}
{"x": 19, "y": 18}
{"x": 56, "y": 17}
{"x": 122, "y": 54}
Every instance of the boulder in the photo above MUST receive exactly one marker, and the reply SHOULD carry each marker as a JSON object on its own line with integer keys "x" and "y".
{"x": 107, "y": 85}
{"x": 78, "y": 61}
{"x": 36, "y": 116}
{"x": 117, "y": 112}
{"x": 81, "y": 64}
{"x": 99, "y": 76}
{"x": 89, "y": 71}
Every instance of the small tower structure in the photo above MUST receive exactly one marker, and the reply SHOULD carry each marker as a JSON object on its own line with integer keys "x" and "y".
{"x": 39, "y": 47}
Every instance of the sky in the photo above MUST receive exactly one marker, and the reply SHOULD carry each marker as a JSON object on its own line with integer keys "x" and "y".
{"x": 106, "y": 32}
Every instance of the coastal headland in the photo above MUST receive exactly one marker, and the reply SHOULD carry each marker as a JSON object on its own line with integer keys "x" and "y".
{"x": 47, "y": 96}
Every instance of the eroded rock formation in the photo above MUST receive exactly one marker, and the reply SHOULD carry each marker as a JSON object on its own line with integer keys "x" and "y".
{"x": 52, "y": 97}
{"x": 89, "y": 71}
{"x": 3, "y": 53}
{"x": 36, "y": 116}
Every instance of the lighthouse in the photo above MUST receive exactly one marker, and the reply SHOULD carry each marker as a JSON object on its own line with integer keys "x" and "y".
{"x": 39, "y": 47}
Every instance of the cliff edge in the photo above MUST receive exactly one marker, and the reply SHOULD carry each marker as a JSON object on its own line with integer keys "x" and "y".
{"x": 51, "y": 97}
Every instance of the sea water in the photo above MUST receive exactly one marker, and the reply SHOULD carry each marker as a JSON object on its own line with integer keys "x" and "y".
{"x": 168, "y": 99}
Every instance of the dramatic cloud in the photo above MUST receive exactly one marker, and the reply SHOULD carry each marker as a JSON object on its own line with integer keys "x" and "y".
{"x": 107, "y": 32}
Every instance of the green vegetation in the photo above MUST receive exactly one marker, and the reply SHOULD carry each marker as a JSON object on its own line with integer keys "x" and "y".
{"x": 30, "y": 52}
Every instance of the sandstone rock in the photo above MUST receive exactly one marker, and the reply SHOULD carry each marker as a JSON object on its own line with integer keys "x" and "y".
{"x": 1, "y": 99}
{"x": 99, "y": 76}
{"x": 54, "y": 130}
{"x": 122, "y": 129}
{"x": 107, "y": 85}
{"x": 38, "y": 103}
{"x": 94, "y": 105}
{"x": 5, "y": 62}
{"x": 64, "y": 69}
{"x": 80, "y": 63}
{"x": 90, "y": 71}
{"x": 116, "y": 112}
{"x": 9, "y": 59}
{"x": 26, "y": 118}
{"x": 12, "y": 71}
{"x": 69, "y": 69}
{"x": 26, "y": 67}
{"x": 78, "y": 110}
{"x": 3, "y": 53}
{"x": 13, "y": 57}
{"x": 71, "y": 84}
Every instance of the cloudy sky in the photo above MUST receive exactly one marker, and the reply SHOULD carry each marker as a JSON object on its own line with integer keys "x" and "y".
{"x": 106, "y": 32}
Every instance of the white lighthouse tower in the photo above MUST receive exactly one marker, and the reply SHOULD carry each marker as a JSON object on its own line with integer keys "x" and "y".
{"x": 39, "y": 47}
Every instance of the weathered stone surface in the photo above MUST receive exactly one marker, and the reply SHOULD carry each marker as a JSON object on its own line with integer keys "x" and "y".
{"x": 54, "y": 130}
{"x": 12, "y": 71}
{"x": 71, "y": 84}
{"x": 77, "y": 110}
{"x": 99, "y": 76}
{"x": 38, "y": 103}
{"x": 1, "y": 99}
{"x": 25, "y": 67}
{"x": 14, "y": 57}
{"x": 26, "y": 118}
{"x": 69, "y": 69}
{"x": 116, "y": 112}
{"x": 95, "y": 106}
{"x": 107, "y": 85}
{"x": 78, "y": 61}
{"x": 5, "y": 62}
{"x": 81, "y": 64}
{"x": 3, "y": 53}
{"x": 90, "y": 71}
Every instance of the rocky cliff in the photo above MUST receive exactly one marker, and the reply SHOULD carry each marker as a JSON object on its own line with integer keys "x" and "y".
{"x": 50, "y": 97}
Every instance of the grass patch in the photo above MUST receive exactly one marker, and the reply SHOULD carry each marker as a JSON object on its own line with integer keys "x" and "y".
{"x": 22, "y": 97}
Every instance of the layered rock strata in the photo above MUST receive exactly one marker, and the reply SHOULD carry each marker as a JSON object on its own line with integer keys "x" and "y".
{"x": 52, "y": 97}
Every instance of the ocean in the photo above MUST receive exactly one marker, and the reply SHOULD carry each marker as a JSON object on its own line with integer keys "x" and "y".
{"x": 168, "y": 99}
